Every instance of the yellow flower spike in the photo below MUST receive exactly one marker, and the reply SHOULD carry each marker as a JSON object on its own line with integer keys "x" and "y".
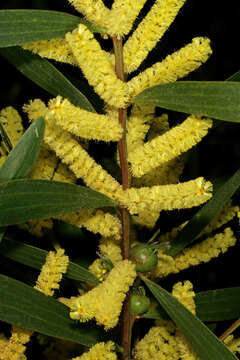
{"x": 110, "y": 249}
{"x": 100, "y": 351}
{"x": 93, "y": 10}
{"x": 97, "y": 68}
{"x": 73, "y": 154}
{"x": 96, "y": 221}
{"x": 104, "y": 302}
{"x": 185, "y": 294}
{"x": 122, "y": 16}
{"x": 173, "y": 67}
{"x": 15, "y": 347}
{"x": 167, "y": 197}
{"x": 138, "y": 125}
{"x": 35, "y": 109}
{"x": 164, "y": 174}
{"x": 12, "y": 123}
{"x": 149, "y": 32}
{"x": 56, "y": 49}
{"x": 83, "y": 123}
{"x": 51, "y": 273}
{"x": 203, "y": 252}
{"x": 166, "y": 147}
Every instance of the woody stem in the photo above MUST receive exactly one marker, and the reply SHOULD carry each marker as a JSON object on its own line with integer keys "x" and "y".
{"x": 122, "y": 150}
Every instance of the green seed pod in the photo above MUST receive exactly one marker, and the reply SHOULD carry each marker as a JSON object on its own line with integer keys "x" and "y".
{"x": 139, "y": 304}
{"x": 144, "y": 257}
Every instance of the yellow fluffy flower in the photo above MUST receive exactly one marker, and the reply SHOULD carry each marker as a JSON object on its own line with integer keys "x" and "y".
{"x": 166, "y": 147}
{"x": 48, "y": 280}
{"x": 110, "y": 249}
{"x": 167, "y": 197}
{"x": 165, "y": 341}
{"x": 173, "y": 67}
{"x": 185, "y": 294}
{"x": 203, "y": 252}
{"x": 104, "y": 302}
{"x": 149, "y": 31}
{"x": 83, "y": 123}
{"x": 56, "y": 49}
{"x": 97, "y": 68}
{"x": 138, "y": 125}
{"x": 96, "y": 221}
{"x": 72, "y": 154}
{"x": 15, "y": 347}
{"x": 122, "y": 16}
{"x": 100, "y": 351}
{"x": 94, "y": 10}
{"x": 51, "y": 273}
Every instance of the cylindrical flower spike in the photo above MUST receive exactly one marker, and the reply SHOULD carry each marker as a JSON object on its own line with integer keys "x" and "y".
{"x": 138, "y": 125}
{"x": 203, "y": 252}
{"x": 173, "y": 67}
{"x": 97, "y": 68}
{"x": 100, "y": 351}
{"x": 95, "y": 221}
{"x": 167, "y": 197}
{"x": 56, "y": 49}
{"x": 122, "y": 16}
{"x": 166, "y": 147}
{"x": 72, "y": 154}
{"x": 149, "y": 32}
{"x": 51, "y": 273}
{"x": 104, "y": 302}
{"x": 83, "y": 123}
{"x": 94, "y": 10}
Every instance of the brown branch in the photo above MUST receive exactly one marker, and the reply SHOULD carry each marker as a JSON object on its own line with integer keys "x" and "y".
{"x": 122, "y": 150}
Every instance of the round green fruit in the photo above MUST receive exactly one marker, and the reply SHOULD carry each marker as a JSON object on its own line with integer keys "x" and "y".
{"x": 139, "y": 304}
{"x": 144, "y": 257}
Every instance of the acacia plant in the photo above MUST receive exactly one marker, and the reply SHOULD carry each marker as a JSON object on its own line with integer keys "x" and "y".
{"x": 50, "y": 178}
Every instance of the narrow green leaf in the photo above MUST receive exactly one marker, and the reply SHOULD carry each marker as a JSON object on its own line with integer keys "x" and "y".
{"x": 212, "y": 305}
{"x": 24, "y": 200}
{"x": 203, "y": 217}
{"x": 204, "y": 342}
{"x": 22, "y": 157}
{"x": 23, "y": 26}
{"x": 26, "y": 307}
{"x": 217, "y": 99}
{"x": 35, "y": 258}
{"x": 218, "y": 305}
{"x": 45, "y": 75}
